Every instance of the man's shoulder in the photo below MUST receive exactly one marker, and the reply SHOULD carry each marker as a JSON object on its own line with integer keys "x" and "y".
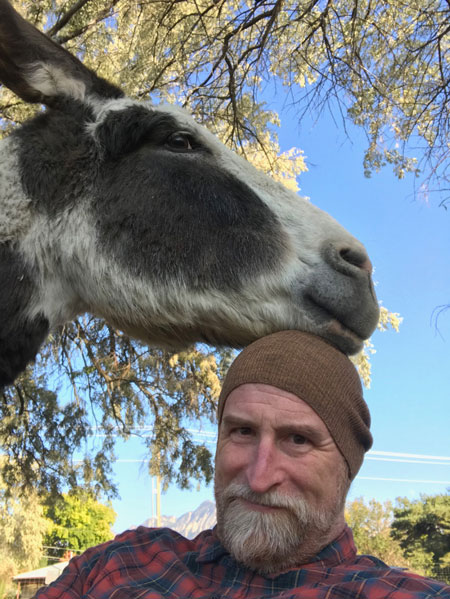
{"x": 373, "y": 572}
{"x": 138, "y": 545}
{"x": 142, "y": 541}
{"x": 144, "y": 535}
{"x": 133, "y": 557}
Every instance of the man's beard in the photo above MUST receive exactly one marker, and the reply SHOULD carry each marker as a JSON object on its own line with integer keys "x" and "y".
{"x": 275, "y": 541}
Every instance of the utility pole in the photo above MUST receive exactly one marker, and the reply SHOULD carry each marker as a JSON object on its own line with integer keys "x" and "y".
{"x": 153, "y": 497}
{"x": 158, "y": 500}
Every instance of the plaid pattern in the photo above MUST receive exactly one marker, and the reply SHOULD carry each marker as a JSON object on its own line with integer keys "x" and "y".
{"x": 149, "y": 563}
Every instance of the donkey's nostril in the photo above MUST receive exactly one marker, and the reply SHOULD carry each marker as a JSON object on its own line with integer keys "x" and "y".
{"x": 356, "y": 257}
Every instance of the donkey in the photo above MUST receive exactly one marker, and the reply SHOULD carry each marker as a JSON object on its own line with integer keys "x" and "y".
{"x": 137, "y": 214}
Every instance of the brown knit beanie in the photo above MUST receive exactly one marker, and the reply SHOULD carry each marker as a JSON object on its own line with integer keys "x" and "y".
{"x": 316, "y": 372}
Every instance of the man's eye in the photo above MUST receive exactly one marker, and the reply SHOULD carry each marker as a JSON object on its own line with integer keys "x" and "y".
{"x": 242, "y": 431}
{"x": 299, "y": 439}
{"x": 180, "y": 142}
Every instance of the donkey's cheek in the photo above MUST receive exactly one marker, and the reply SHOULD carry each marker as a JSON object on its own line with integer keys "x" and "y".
{"x": 183, "y": 218}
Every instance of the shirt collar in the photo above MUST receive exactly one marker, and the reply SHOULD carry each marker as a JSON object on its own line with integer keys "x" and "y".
{"x": 210, "y": 548}
{"x": 341, "y": 550}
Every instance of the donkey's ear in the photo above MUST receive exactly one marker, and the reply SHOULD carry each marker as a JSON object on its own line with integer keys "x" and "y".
{"x": 38, "y": 69}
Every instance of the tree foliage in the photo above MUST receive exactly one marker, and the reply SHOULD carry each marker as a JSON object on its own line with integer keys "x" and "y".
{"x": 30, "y": 525}
{"x": 371, "y": 526}
{"x": 422, "y": 527}
{"x": 22, "y": 526}
{"x": 409, "y": 534}
{"x": 90, "y": 384}
{"x": 77, "y": 522}
{"x": 382, "y": 65}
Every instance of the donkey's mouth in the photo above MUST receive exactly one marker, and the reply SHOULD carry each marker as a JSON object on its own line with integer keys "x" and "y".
{"x": 332, "y": 328}
{"x": 347, "y": 340}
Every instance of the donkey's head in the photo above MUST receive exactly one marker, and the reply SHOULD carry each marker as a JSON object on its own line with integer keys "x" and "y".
{"x": 137, "y": 214}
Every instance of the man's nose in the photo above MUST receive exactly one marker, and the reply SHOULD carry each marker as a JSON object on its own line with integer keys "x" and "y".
{"x": 264, "y": 471}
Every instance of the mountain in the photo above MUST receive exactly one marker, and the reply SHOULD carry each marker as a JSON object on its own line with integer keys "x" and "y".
{"x": 190, "y": 523}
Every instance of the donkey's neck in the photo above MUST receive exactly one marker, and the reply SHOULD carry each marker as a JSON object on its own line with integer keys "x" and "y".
{"x": 15, "y": 214}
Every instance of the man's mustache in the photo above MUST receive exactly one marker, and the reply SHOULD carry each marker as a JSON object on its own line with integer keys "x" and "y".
{"x": 236, "y": 491}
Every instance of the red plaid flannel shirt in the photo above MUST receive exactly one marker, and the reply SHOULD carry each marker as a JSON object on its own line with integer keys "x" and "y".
{"x": 149, "y": 563}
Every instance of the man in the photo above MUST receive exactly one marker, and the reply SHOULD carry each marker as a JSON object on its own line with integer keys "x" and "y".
{"x": 293, "y": 430}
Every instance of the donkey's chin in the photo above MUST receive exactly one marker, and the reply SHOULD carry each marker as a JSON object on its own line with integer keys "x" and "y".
{"x": 176, "y": 336}
{"x": 347, "y": 333}
{"x": 342, "y": 337}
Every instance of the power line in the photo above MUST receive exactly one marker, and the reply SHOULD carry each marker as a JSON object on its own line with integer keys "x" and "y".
{"x": 405, "y": 480}
{"x": 409, "y": 455}
{"x": 397, "y": 460}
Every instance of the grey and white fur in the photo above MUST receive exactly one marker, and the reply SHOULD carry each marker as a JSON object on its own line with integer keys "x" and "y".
{"x": 137, "y": 214}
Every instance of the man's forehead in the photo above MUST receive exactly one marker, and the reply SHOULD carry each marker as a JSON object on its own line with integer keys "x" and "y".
{"x": 251, "y": 399}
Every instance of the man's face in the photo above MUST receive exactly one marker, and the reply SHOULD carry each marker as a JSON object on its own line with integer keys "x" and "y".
{"x": 280, "y": 481}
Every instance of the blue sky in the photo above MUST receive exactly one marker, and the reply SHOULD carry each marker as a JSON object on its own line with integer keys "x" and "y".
{"x": 409, "y": 244}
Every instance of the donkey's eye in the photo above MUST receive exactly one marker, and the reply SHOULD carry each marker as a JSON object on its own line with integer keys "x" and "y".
{"x": 180, "y": 142}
